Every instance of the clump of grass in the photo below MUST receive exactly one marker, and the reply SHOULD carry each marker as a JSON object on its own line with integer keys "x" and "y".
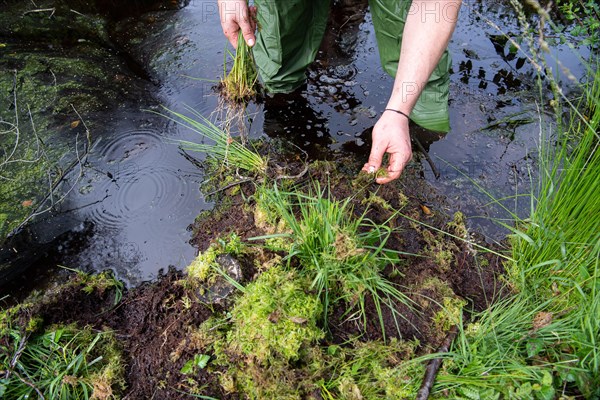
{"x": 342, "y": 255}
{"x": 63, "y": 362}
{"x": 241, "y": 82}
{"x": 230, "y": 152}
{"x": 543, "y": 342}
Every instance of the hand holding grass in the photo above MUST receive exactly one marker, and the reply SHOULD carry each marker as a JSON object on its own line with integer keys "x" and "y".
{"x": 390, "y": 135}
{"x": 236, "y": 15}
{"x": 424, "y": 40}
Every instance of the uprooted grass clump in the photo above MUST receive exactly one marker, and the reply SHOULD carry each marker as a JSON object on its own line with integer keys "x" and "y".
{"x": 241, "y": 83}
{"x": 230, "y": 153}
{"x": 59, "y": 362}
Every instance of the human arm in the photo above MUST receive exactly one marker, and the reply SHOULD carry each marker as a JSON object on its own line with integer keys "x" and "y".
{"x": 427, "y": 31}
{"x": 236, "y": 15}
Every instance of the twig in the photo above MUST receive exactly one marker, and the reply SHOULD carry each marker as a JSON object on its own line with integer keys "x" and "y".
{"x": 228, "y": 186}
{"x": 350, "y": 18}
{"x": 40, "y": 10}
{"x": 434, "y": 365}
{"x": 436, "y": 172}
{"x": 297, "y": 176}
{"x": 80, "y": 159}
{"x": 302, "y": 173}
{"x": 18, "y": 353}
{"x": 31, "y": 385}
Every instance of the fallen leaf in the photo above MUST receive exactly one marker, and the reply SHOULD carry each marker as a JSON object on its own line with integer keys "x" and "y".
{"x": 541, "y": 320}
{"x": 75, "y": 124}
{"x": 27, "y": 203}
{"x": 425, "y": 209}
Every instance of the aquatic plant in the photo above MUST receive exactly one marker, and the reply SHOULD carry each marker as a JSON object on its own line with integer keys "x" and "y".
{"x": 342, "y": 254}
{"x": 241, "y": 82}
{"x": 227, "y": 150}
{"x": 543, "y": 341}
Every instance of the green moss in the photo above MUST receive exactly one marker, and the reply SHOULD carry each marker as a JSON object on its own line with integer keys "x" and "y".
{"x": 451, "y": 305}
{"x": 34, "y": 324}
{"x": 202, "y": 269}
{"x": 373, "y": 199}
{"x": 275, "y": 318}
{"x": 269, "y": 338}
{"x": 440, "y": 248}
{"x": 458, "y": 226}
{"x": 450, "y": 314}
{"x": 402, "y": 200}
{"x": 363, "y": 179}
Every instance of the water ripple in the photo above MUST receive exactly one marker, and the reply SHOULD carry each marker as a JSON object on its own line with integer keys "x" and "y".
{"x": 139, "y": 146}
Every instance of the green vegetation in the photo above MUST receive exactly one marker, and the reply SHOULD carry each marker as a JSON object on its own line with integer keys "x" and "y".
{"x": 269, "y": 346}
{"x": 98, "y": 283}
{"x": 241, "y": 82}
{"x": 228, "y": 151}
{"x": 543, "y": 341}
{"x": 583, "y": 18}
{"x": 343, "y": 255}
{"x": 203, "y": 268}
{"x": 62, "y": 362}
{"x": 271, "y": 329}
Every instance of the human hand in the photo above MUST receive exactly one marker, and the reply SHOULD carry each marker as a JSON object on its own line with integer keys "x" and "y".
{"x": 236, "y": 15}
{"x": 390, "y": 135}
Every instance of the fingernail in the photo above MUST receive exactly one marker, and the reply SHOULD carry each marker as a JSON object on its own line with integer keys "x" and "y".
{"x": 250, "y": 42}
{"x": 371, "y": 169}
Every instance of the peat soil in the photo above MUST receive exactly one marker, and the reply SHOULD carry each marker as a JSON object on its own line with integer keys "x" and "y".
{"x": 153, "y": 322}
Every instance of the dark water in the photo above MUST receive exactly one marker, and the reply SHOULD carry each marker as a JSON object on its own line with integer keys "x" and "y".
{"x": 131, "y": 209}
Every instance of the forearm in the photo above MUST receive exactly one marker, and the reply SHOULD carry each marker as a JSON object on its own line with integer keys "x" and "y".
{"x": 429, "y": 26}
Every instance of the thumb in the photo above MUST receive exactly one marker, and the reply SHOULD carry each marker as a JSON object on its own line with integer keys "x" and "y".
{"x": 375, "y": 159}
{"x": 247, "y": 32}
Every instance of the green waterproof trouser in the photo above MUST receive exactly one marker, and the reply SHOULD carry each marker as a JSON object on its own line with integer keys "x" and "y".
{"x": 290, "y": 33}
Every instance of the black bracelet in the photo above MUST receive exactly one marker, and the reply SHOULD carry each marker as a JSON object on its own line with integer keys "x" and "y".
{"x": 396, "y": 111}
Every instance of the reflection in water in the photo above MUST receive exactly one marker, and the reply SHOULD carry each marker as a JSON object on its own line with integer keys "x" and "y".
{"x": 142, "y": 194}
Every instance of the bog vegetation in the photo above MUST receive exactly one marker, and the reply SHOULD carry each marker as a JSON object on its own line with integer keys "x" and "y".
{"x": 540, "y": 341}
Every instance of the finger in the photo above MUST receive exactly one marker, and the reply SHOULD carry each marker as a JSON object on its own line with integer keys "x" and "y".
{"x": 368, "y": 168}
{"x": 394, "y": 170}
{"x": 232, "y": 39}
{"x": 247, "y": 30}
{"x": 375, "y": 159}
{"x": 230, "y": 30}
